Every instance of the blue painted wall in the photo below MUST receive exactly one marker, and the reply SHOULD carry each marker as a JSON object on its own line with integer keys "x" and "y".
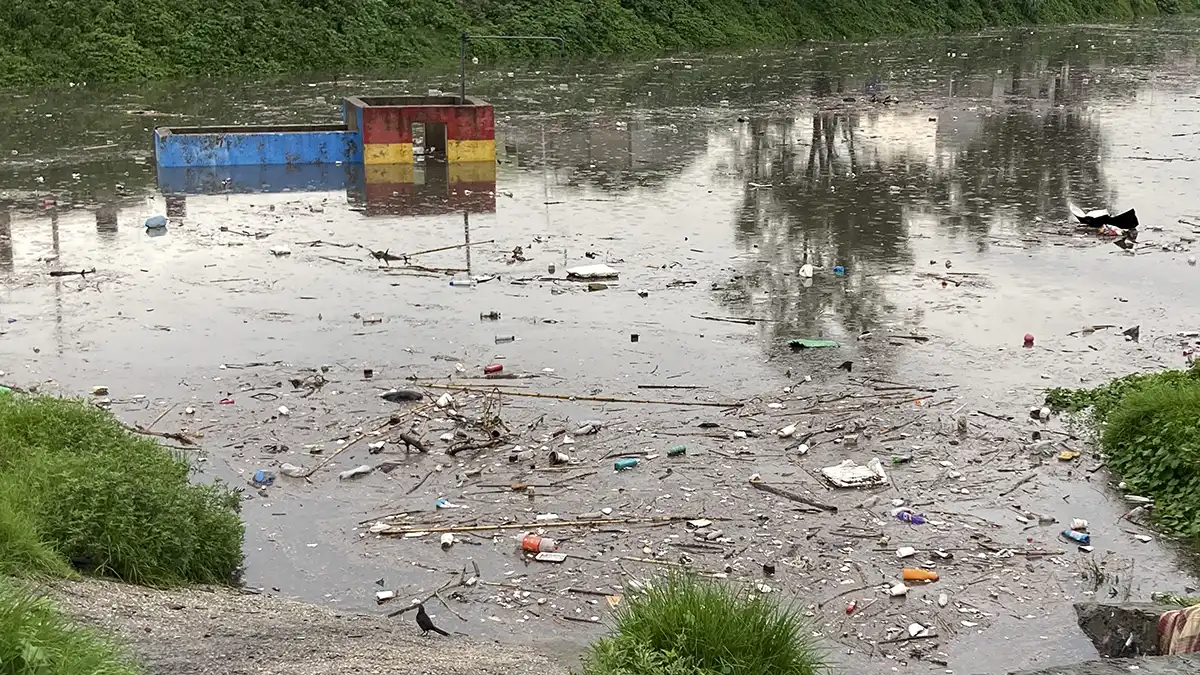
{"x": 256, "y": 146}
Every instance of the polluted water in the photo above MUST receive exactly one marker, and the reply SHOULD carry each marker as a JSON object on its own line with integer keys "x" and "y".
{"x": 732, "y": 209}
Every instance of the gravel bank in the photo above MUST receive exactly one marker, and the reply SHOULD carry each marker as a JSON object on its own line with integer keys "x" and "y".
{"x": 205, "y": 632}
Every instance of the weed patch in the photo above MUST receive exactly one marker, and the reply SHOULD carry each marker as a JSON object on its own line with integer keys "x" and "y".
{"x": 1148, "y": 426}
{"x": 688, "y": 626}
{"x": 35, "y": 639}
{"x": 76, "y": 487}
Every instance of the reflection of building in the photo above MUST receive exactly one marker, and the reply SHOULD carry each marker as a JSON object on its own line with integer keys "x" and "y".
{"x": 426, "y": 188}
{"x": 106, "y": 218}
{"x": 422, "y": 188}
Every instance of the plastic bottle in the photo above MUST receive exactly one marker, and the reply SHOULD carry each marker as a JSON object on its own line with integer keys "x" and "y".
{"x": 676, "y": 450}
{"x": 901, "y": 459}
{"x": 504, "y": 339}
{"x": 1081, "y": 537}
{"x": 622, "y": 464}
{"x": 537, "y": 544}
{"x": 466, "y": 283}
{"x": 918, "y": 574}
{"x": 493, "y": 368}
{"x": 906, "y": 515}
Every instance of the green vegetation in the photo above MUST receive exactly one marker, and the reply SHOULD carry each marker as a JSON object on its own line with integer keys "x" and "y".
{"x": 687, "y": 626}
{"x": 79, "y": 490}
{"x": 77, "y": 486}
{"x": 1149, "y": 431}
{"x": 35, "y": 639}
{"x": 114, "y": 40}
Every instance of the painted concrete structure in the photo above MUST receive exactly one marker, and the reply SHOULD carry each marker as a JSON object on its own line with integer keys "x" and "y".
{"x": 377, "y": 130}
{"x": 464, "y": 130}
{"x": 246, "y": 146}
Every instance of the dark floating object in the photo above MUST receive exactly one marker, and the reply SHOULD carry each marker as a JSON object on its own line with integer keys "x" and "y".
{"x": 846, "y": 366}
{"x": 1134, "y": 333}
{"x": 1124, "y": 243}
{"x": 1126, "y": 220}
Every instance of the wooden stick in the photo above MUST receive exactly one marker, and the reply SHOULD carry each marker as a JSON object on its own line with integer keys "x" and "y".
{"x": 160, "y": 416}
{"x": 346, "y": 447}
{"x": 446, "y": 248}
{"x": 787, "y": 494}
{"x": 568, "y": 397}
{"x": 539, "y": 525}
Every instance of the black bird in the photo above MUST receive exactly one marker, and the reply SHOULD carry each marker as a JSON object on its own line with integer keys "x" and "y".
{"x": 426, "y": 624}
{"x": 1126, "y": 220}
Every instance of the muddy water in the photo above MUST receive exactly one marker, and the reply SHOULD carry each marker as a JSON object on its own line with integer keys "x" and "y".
{"x": 707, "y": 182}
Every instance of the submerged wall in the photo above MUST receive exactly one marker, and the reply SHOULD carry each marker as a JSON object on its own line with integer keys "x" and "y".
{"x": 101, "y": 40}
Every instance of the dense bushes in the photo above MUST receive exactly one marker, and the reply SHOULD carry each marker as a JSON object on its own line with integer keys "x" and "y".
{"x": 1148, "y": 426}
{"x": 75, "y": 486}
{"x": 109, "y": 40}
{"x": 687, "y": 626}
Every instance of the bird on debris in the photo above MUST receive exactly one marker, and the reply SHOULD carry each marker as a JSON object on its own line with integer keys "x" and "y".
{"x": 1126, "y": 220}
{"x": 426, "y": 624}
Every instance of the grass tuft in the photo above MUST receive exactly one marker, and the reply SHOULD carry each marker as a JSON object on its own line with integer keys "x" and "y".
{"x": 35, "y": 639}
{"x": 1149, "y": 430}
{"x": 78, "y": 488}
{"x": 688, "y": 626}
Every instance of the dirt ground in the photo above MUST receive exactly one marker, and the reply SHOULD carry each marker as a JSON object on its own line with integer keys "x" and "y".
{"x": 211, "y": 632}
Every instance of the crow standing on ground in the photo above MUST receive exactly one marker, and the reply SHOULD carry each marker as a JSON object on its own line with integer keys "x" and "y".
{"x": 426, "y": 624}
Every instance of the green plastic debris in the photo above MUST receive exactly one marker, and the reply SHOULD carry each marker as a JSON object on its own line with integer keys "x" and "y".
{"x": 808, "y": 343}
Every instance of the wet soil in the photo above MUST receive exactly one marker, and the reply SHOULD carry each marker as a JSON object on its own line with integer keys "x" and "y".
{"x": 707, "y": 182}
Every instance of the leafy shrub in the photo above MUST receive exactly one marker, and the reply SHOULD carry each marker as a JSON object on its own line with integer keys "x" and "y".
{"x": 102, "y": 40}
{"x": 36, "y": 640}
{"x": 688, "y": 626}
{"x": 77, "y": 486}
{"x": 1152, "y": 441}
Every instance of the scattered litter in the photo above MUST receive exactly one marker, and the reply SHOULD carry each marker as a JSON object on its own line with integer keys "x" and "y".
{"x": 918, "y": 574}
{"x": 292, "y": 470}
{"x": 1078, "y": 537}
{"x": 264, "y": 477}
{"x": 905, "y": 552}
{"x": 622, "y": 464}
{"x": 400, "y": 395}
{"x": 547, "y": 556}
{"x": 538, "y": 544}
{"x": 384, "y": 596}
{"x": 445, "y": 401}
{"x": 447, "y": 540}
{"x": 99, "y": 390}
{"x": 280, "y": 251}
{"x": 443, "y": 503}
{"x": 848, "y": 474}
{"x": 592, "y": 273}
{"x": 356, "y": 472}
{"x": 156, "y": 222}
{"x": 798, "y": 344}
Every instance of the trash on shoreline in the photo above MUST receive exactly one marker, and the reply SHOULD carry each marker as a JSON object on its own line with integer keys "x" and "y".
{"x": 356, "y": 472}
{"x": 592, "y": 273}
{"x": 798, "y": 344}
{"x": 401, "y": 395}
{"x": 849, "y": 474}
{"x": 264, "y": 477}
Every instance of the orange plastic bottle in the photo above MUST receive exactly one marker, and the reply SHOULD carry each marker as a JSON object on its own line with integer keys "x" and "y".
{"x": 918, "y": 574}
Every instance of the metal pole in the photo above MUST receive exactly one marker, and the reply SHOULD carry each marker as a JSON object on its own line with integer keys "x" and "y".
{"x": 462, "y": 54}
{"x": 462, "y": 68}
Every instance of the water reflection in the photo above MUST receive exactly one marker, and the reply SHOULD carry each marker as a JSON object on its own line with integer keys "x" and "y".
{"x": 852, "y": 188}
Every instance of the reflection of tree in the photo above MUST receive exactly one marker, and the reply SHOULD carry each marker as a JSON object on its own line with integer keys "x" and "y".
{"x": 837, "y": 198}
{"x": 1021, "y": 167}
{"x": 830, "y": 209}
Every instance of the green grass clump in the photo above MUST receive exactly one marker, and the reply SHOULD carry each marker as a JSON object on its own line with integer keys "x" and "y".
{"x": 1148, "y": 426}
{"x": 77, "y": 486}
{"x": 1152, "y": 441}
{"x": 687, "y": 626}
{"x": 1106, "y": 397}
{"x": 35, "y": 639}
